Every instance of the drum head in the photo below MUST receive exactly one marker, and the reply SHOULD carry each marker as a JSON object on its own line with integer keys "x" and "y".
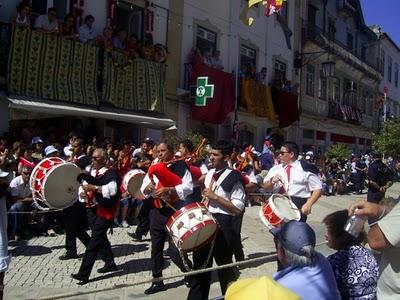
{"x": 199, "y": 236}
{"x": 134, "y": 184}
{"x": 286, "y": 208}
{"x": 61, "y": 186}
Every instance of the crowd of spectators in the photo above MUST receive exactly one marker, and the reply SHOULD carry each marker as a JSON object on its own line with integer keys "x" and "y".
{"x": 109, "y": 39}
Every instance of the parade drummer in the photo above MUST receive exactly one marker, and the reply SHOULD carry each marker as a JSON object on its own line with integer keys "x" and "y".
{"x": 161, "y": 212}
{"x": 298, "y": 179}
{"x": 226, "y": 195}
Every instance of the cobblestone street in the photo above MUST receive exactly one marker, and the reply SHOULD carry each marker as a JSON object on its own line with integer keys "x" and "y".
{"x": 36, "y": 270}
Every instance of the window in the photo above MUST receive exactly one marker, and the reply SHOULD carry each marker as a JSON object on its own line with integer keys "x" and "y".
{"x": 363, "y": 52}
{"x": 279, "y": 70}
{"x": 206, "y": 40}
{"x": 350, "y": 93}
{"x": 322, "y": 87}
{"x": 334, "y": 93}
{"x": 308, "y": 134}
{"x": 396, "y": 74}
{"x": 389, "y": 75}
{"x": 310, "y": 80}
{"x": 248, "y": 57}
{"x": 131, "y": 19}
{"x": 350, "y": 41}
{"x": 331, "y": 29}
{"x": 63, "y": 7}
{"x": 382, "y": 66}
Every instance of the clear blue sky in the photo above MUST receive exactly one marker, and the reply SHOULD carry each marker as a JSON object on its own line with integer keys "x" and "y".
{"x": 385, "y": 13}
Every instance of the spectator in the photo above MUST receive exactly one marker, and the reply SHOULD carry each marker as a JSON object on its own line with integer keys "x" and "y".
{"x": 47, "y": 23}
{"x": 26, "y": 159}
{"x": 4, "y": 257}
{"x": 384, "y": 236}
{"x": 22, "y": 197}
{"x": 119, "y": 40}
{"x": 147, "y": 51}
{"x": 160, "y": 54}
{"x": 86, "y": 31}
{"x": 68, "y": 27}
{"x": 262, "y": 75}
{"x": 195, "y": 56}
{"x": 37, "y": 145}
{"x": 355, "y": 268}
{"x": 22, "y": 16}
{"x": 7, "y": 161}
{"x": 379, "y": 179}
{"x": 306, "y": 272}
{"x": 207, "y": 59}
{"x": 51, "y": 151}
{"x": 67, "y": 149}
{"x": 216, "y": 61}
{"x": 105, "y": 40}
{"x": 133, "y": 45}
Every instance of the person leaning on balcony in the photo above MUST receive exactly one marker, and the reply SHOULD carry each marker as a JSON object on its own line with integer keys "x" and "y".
{"x": 47, "y": 23}
{"x": 67, "y": 29}
{"x": 22, "y": 16}
{"x": 86, "y": 31}
{"x": 105, "y": 40}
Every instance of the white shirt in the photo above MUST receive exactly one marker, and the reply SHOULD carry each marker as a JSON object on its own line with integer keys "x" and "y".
{"x": 18, "y": 188}
{"x": 183, "y": 190}
{"x": 43, "y": 22}
{"x": 67, "y": 150}
{"x": 237, "y": 195}
{"x": 109, "y": 190}
{"x": 301, "y": 183}
{"x": 86, "y": 34}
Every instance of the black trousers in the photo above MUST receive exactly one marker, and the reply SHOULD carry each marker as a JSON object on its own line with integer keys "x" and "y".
{"x": 299, "y": 202}
{"x": 98, "y": 245}
{"x": 225, "y": 242}
{"x": 159, "y": 234}
{"x": 74, "y": 218}
{"x": 144, "y": 218}
{"x": 237, "y": 246}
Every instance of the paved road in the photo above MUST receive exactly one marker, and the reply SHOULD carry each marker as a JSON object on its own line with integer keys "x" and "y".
{"x": 36, "y": 270}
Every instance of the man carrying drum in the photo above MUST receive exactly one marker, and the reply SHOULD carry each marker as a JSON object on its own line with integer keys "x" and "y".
{"x": 225, "y": 194}
{"x": 173, "y": 199}
{"x": 297, "y": 179}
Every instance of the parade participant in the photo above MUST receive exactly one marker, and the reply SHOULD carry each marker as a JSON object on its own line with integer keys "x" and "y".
{"x": 226, "y": 195}
{"x": 142, "y": 159}
{"x": 383, "y": 236}
{"x": 354, "y": 267}
{"x": 74, "y": 217}
{"x": 99, "y": 186}
{"x": 296, "y": 178}
{"x": 306, "y": 272}
{"x": 22, "y": 197}
{"x": 4, "y": 257}
{"x": 160, "y": 213}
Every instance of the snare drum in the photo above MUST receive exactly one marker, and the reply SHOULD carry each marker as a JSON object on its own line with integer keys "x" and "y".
{"x": 132, "y": 182}
{"x": 53, "y": 183}
{"x": 191, "y": 227}
{"x": 278, "y": 209}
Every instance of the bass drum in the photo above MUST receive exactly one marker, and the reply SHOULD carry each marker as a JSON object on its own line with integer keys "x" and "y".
{"x": 53, "y": 183}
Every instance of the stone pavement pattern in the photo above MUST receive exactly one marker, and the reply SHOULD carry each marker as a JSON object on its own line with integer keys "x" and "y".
{"x": 36, "y": 270}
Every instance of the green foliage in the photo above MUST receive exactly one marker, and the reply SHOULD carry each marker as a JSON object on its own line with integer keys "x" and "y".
{"x": 387, "y": 140}
{"x": 338, "y": 152}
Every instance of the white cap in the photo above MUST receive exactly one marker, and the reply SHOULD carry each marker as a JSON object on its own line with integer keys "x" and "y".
{"x": 49, "y": 150}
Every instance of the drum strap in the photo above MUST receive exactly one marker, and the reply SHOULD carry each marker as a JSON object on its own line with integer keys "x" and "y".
{"x": 214, "y": 184}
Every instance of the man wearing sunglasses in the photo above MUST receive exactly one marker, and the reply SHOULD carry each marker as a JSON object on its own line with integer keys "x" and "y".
{"x": 22, "y": 198}
{"x": 295, "y": 178}
{"x": 99, "y": 191}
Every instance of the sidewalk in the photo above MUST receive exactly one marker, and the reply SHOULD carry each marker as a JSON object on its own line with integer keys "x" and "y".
{"x": 36, "y": 270}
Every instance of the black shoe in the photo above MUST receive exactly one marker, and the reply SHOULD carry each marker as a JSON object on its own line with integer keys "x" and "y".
{"x": 155, "y": 288}
{"x": 108, "y": 268}
{"x": 187, "y": 280}
{"x": 135, "y": 237}
{"x": 82, "y": 279}
{"x": 68, "y": 256}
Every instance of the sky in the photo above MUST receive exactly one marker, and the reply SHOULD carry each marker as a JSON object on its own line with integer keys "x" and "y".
{"x": 384, "y": 13}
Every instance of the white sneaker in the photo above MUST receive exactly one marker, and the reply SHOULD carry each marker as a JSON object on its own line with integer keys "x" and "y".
{"x": 125, "y": 224}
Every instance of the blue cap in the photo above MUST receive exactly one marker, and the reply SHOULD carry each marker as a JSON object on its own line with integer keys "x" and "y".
{"x": 295, "y": 235}
{"x": 36, "y": 140}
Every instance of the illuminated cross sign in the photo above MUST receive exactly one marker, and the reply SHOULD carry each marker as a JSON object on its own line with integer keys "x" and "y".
{"x": 203, "y": 91}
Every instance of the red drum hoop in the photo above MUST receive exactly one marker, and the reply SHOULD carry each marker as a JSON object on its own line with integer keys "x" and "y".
{"x": 278, "y": 209}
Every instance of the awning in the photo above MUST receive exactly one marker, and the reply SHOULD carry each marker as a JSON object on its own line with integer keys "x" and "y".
{"x": 53, "y": 108}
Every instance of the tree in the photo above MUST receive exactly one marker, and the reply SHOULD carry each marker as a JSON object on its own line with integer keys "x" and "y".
{"x": 338, "y": 152}
{"x": 387, "y": 140}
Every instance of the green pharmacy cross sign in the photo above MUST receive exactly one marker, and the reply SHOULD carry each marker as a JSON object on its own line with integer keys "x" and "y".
{"x": 202, "y": 91}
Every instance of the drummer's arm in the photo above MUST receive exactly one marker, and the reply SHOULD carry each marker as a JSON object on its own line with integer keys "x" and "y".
{"x": 235, "y": 205}
{"x": 186, "y": 187}
{"x": 270, "y": 181}
{"x": 316, "y": 187}
{"x": 147, "y": 186}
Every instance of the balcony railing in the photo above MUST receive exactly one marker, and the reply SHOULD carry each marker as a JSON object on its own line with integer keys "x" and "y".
{"x": 345, "y": 113}
{"x": 46, "y": 66}
{"x": 317, "y": 35}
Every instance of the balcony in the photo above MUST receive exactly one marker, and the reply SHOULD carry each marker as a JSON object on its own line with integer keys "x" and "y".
{"x": 345, "y": 113}
{"x": 48, "y": 67}
{"x": 317, "y": 35}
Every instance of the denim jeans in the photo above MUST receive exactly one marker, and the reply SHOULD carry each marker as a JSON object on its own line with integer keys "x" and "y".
{"x": 16, "y": 220}
{"x": 4, "y": 258}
